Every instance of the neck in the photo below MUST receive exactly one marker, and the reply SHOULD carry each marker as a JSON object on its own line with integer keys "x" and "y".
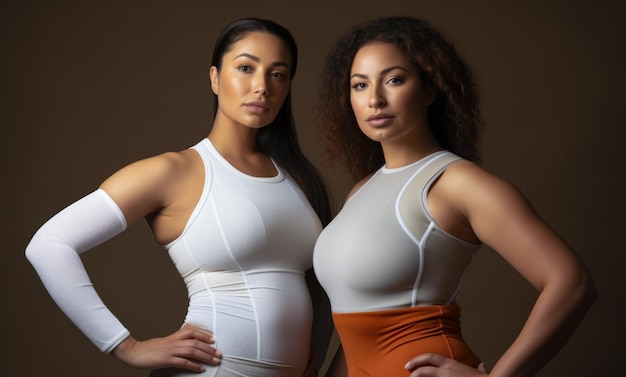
{"x": 233, "y": 139}
{"x": 407, "y": 151}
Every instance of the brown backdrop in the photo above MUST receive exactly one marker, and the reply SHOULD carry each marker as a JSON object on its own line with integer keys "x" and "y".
{"x": 91, "y": 87}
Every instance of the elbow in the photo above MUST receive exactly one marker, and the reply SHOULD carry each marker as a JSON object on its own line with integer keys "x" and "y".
{"x": 573, "y": 287}
{"x": 39, "y": 247}
{"x": 36, "y": 244}
{"x": 583, "y": 289}
{"x": 31, "y": 250}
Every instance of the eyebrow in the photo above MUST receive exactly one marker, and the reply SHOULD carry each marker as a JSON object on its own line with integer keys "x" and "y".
{"x": 384, "y": 71}
{"x": 256, "y": 59}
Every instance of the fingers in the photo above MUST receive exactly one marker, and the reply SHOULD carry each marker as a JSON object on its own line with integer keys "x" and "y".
{"x": 425, "y": 359}
{"x": 204, "y": 352}
{"x": 187, "y": 354}
{"x": 432, "y": 365}
{"x": 200, "y": 346}
{"x": 482, "y": 368}
{"x": 188, "y": 331}
{"x": 197, "y": 350}
{"x": 188, "y": 348}
{"x": 183, "y": 363}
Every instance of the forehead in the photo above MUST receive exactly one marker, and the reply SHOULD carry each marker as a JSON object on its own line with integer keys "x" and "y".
{"x": 263, "y": 45}
{"x": 379, "y": 55}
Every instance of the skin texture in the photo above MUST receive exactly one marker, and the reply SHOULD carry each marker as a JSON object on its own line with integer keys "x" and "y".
{"x": 389, "y": 100}
{"x": 251, "y": 86}
{"x": 474, "y": 205}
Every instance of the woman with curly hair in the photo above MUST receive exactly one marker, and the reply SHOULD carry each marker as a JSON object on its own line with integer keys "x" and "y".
{"x": 399, "y": 110}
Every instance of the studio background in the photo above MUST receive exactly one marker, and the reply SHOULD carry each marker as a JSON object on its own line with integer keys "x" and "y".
{"x": 89, "y": 87}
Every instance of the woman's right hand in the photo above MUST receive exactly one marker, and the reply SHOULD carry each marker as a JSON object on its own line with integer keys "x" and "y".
{"x": 185, "y": 349}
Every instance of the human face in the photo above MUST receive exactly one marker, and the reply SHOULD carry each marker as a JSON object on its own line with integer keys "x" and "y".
{"x": 253, "y": 82}
{"x": 387, "y": 95}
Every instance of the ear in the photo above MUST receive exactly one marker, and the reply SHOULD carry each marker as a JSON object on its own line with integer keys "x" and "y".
{"x": 213, "y": 76}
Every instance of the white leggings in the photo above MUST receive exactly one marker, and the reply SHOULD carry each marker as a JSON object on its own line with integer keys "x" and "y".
{"x": 236, "y": 367}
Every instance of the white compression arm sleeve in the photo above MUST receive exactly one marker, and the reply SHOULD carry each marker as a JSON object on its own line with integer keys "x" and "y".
{"x": 54, "y": 253}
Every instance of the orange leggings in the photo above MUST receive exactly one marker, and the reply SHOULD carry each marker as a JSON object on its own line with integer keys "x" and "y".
{"x": 380, "y": 343}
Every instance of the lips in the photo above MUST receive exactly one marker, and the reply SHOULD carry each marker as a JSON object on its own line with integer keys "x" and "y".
{"x": 256, "y": 107}
{"x": 380, "y": 120}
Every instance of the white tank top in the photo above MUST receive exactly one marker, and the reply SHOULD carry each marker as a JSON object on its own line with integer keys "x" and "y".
{"x": 242, "y": 255}
{"x": 384, "y": 250}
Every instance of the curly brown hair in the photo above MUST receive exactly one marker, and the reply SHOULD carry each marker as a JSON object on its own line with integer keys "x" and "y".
{"x": 454, "y": 116}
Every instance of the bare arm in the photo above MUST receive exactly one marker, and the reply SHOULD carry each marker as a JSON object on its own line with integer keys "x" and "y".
{"x": 502, "y": 218}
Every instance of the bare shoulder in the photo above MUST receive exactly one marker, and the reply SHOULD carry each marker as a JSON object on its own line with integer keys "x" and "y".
{"x": 480, "y": 196}
{"x": 486, "y": 200}
{"x": 158, "y": 169}
{"x": 504, "y": 219}
{"x": 150, "y": 184}
{"x": 174, "y": 163}
{"x": 469, "y": 172}
{"x": 468, "y": 181}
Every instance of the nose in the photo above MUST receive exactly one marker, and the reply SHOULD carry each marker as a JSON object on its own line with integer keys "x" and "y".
{"x": 260, "y": 84}
{"x": 376, "y": 98}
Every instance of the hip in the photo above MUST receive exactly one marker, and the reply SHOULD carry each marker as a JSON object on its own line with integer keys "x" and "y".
{"x": 236, "y": 367}
{"x": 380, "y": 343}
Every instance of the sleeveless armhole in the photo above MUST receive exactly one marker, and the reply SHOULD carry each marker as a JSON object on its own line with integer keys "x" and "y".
{"x": 200, "y": 148}
{"x": 411, "y": 206}
{"x": 436, "y": 247}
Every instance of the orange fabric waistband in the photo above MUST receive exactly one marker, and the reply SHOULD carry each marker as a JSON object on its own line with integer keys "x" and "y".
{"x": 380, "y": 343}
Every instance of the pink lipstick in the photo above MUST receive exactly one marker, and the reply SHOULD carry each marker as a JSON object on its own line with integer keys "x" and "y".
{"x": 380, "y": 120}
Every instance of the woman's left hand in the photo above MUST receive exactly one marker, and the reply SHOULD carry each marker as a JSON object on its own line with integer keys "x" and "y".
{"x": 433, "y": 365}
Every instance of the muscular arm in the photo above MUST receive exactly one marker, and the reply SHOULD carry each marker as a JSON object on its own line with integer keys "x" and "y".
{"x": 502, "y": 218}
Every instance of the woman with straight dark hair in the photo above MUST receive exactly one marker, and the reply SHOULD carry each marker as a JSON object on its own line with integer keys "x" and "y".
{"x": 238, "y": 213}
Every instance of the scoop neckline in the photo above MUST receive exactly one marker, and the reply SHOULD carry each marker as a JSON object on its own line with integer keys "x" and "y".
{"x": 277, "y": 178}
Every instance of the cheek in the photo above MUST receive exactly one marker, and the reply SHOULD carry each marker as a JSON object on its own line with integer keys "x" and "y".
{"x": 401, "y": 99}
{"x": 233, "y": 87}
{"x": 406, "y": 102}
{"x": 359, "y": 111}
{"x": 283, "y": 91}
{"x": 356, "y": 102}
{"x": 276, "y": 100}
{"x": 356, "y": 110}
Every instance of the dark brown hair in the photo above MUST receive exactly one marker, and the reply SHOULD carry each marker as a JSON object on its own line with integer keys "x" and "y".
{"x": 278, "y": 139}
{"x": 454, "y": 116}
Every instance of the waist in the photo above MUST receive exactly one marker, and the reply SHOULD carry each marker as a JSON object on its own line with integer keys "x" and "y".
{"x": 259, "y": 316}
{"x": 238, "y": 282}
{"x": 399, "y": 325}
{"x": 236, "y": 366}
{"x": 381, "y": 342}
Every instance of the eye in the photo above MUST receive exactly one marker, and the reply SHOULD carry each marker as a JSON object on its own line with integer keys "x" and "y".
{"x": 359, "y": 86}
{"x": 395, "y": 80}
{"x": 278, "y": 75}
{"x": 244, "y": 68}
